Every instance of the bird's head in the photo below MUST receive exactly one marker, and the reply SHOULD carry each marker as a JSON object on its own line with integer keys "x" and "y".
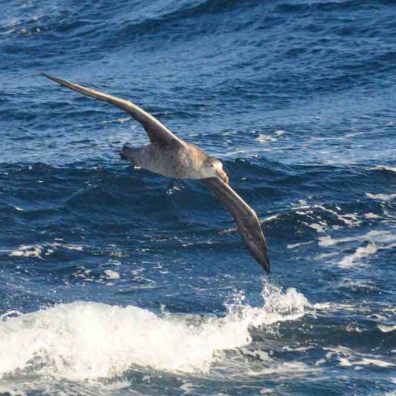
{"x": 213, "y": 167}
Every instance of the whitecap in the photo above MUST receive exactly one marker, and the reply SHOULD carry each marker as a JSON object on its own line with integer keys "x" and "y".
{"x": 318, "y": 227}
{"x": 386, "y": 168}
{"x": 371, "y": 215}
{"x": 381, "y": 197}
{"x": 348, "y": 357}
{"x": 264, "y": 138}
{"x": 87, "y": 340}
{"x": 344, "y": 362}
{"x": 110, "y": 274}
{"x": 46, "y": 249}
{"x": 285, "y": 369}
{"x": 27, "y": 251}
{"x": 386, "y": 328}
{"x": 358, "y": 255}
{"x": 379, "y": 237}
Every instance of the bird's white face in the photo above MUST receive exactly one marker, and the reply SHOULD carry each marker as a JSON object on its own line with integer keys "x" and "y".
{"x": 214, "y": 168}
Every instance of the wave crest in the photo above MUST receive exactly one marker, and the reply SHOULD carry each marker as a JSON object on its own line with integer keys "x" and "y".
{"x": 87, "y": 340}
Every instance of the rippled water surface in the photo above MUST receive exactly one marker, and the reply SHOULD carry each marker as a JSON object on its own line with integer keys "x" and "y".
{"x": 115, "y": 281}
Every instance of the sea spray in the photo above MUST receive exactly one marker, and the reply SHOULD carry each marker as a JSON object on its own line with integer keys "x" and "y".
{"x": 87, "y": 340}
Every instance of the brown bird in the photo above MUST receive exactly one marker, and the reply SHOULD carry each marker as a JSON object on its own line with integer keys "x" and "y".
{"x": 168, "y": 155}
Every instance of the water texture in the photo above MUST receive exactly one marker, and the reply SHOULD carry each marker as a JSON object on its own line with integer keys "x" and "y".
{"x": 115, "y": 281}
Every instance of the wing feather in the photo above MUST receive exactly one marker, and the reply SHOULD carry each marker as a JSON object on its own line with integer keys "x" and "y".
{"x": 245, "y": 217}
{"x": 156, "y": 131}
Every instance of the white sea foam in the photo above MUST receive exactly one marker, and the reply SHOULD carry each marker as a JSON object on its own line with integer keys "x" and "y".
{"x": 27, "y": 251}
{"x": 371, "y": 216}
{"x": 110, "y": 274}
{"x": 86, "y": 340}
{"x": 386, "y": 328}
{"x": 294, "y": 245}
{"x": 319, "y": 227}
{"x": 379, "y": 237}
{"x": 360, "y": 253}
{"x": 386, "y": 168}
{"x": 364, "y": 362}
{"x": 349, "y": 219}
{"x": 42, "y": 250}
{"x": 264, "y": 138}
{"x": 285, "y": 369}
{"x": 381, "y": 197}
{"x": 270, "y": 218}
{"x": 378, "y": 241}
{"x": 327, "y": 240}
{"x": 348, "y": 357}
{"x": 330, "y": 307}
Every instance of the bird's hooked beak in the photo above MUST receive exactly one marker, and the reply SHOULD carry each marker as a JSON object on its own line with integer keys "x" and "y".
{"x": 222, "y": 176}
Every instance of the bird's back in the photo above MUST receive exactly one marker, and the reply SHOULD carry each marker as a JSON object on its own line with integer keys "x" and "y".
{"x": 181, "y": 162}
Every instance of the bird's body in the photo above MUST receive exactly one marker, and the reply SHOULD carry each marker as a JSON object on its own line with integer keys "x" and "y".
{"x": 169, "y": 155}
{"x": 176, "y": 161}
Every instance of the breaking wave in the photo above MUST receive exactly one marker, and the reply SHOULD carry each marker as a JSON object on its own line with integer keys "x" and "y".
{"x": 88, "y": 340}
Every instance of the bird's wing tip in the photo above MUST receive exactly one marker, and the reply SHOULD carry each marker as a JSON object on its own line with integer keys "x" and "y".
{"x": 54, "y": 79}
{"x": 266, "y": 265}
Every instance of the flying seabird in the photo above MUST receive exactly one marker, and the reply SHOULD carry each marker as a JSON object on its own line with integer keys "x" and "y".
{"x": 169, "y": 155}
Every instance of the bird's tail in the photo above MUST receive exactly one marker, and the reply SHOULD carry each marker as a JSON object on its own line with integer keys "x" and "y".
{"x": 129, "y": 153}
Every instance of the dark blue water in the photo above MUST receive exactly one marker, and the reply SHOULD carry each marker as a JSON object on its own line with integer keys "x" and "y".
{"x": 116, "y": 281}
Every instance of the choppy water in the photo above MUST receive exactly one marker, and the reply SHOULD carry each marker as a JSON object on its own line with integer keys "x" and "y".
{"x": 116, "y": 281}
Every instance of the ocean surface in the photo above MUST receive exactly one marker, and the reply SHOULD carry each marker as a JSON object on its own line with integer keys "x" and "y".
{"x": 116, "y": 281}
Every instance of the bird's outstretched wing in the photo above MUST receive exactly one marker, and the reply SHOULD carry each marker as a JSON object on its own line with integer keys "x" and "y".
{"x": 156, "y": 131}
{"x": 245, "y": 217}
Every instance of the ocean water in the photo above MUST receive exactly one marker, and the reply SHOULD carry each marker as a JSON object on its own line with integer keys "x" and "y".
{"x": 115, "y": 281}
